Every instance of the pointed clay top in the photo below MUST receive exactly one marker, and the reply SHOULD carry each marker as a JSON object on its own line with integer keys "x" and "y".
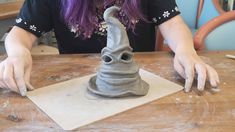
{"x": 117, "y": 37}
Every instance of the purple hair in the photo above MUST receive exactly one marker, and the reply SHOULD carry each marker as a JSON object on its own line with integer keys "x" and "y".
{"x": 83, "y": 13}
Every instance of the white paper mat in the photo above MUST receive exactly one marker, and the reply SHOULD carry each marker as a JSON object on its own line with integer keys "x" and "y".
{"x": 70, "y": 106}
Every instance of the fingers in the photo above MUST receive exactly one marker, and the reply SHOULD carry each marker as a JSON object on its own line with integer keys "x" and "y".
{"x": 187, "y": 67}
{"x": 179, "y": 69}
{"x": 2, "y": 84}
{"x": 19, "y": 79}
{"x": 203, "y": 70}
{"x": 27, "y": 79}
{"x": 15, "y": 73}
{"x": 189, "y": 72}
{"x": 12, "y": 77}
{"x": 212, "y": 76}
{"x": 201, "y": 80}
{"x": 8, "y": 78}
{"x": 29, "y": 87}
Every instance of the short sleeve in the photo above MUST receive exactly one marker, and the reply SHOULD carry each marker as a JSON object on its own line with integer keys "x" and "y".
{"x": 162, "y": 10}
{"x": 35, "y": 17}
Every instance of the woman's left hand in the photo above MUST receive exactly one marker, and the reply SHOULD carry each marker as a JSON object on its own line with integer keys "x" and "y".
{"x": 188, "y": 64}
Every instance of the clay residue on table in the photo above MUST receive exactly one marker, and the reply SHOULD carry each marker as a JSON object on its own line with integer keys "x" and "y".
{"x": 14, "y": 118}
{"x": 59, "y": 78}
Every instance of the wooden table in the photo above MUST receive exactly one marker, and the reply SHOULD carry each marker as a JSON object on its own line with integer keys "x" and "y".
{"x": 177, "y": 112}
{"x": 10, "y": 9}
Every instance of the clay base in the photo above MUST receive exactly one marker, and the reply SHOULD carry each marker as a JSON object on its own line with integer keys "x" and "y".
{"x": 92, "y": 87}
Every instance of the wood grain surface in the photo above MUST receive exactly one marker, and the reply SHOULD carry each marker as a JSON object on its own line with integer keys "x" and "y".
{"x": 10, "y": 9}
{"x": 178, "y": 112}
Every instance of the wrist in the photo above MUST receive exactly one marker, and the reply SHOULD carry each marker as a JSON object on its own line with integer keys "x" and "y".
{"x": 185, "y": 49}
{"x": 18, "y": 51}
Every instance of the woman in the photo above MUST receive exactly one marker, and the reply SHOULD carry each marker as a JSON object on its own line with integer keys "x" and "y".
{"x": 79, "y": 28}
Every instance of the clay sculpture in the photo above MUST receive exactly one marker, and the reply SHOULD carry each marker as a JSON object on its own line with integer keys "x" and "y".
{"x": 118, "y": 75}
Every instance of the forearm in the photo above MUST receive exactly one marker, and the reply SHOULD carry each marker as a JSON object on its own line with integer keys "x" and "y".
{"x": 16, "y": 68}
{"x": 177, "y": 34}
{"x": 19, "y": 42}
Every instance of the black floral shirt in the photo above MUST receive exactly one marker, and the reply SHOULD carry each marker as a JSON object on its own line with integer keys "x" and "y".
{"x": 41, "y": 16}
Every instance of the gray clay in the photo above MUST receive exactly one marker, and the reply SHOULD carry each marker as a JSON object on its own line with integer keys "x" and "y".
{"x": 118, "y": 75}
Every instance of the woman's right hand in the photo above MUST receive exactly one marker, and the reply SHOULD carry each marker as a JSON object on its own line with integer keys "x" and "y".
{"x": 15, "y": 72}
{"x": 16, "y": 68}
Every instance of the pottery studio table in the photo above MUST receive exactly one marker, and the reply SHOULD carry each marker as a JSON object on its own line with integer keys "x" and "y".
{"x": 10, "y": 9}
{"x": 178, "y": 112}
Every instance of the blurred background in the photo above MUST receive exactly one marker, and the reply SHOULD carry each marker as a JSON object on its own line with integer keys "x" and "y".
{"x": 227, "y": 5}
